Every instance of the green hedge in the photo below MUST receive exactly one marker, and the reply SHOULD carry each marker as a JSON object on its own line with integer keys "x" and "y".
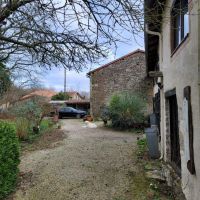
{"x": 9, "y": 158}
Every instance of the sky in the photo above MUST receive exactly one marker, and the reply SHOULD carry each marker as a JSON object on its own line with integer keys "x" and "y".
{"x": 54, "y": 79}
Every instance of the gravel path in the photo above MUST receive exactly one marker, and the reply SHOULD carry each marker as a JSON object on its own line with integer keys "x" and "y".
{"x": 89, "y": 164}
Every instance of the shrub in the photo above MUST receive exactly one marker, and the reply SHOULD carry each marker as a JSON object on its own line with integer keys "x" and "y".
{"x": 60, "y": 96}
{"x": 22, "y": 128}
{"x": 9, "y": 158}
{"x": 105, "y": 114}
{"x": 126, "y": 110}
{"x": 32, "y": 112}
{"x": 28, "y": 110}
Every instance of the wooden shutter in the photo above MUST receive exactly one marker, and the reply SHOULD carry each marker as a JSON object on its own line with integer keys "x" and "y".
{"x": 190, "y": 163}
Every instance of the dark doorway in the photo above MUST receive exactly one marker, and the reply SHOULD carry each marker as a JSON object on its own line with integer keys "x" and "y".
{"x": 174, "y": 132}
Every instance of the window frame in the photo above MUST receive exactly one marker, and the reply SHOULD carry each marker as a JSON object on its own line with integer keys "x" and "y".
{"x": 183, "y": 36}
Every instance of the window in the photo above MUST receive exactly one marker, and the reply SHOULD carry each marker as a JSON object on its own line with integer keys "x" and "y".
{"x": 62, "y": 110}
{"x": 67, "y": 109}
{"x": 180, "y": 22}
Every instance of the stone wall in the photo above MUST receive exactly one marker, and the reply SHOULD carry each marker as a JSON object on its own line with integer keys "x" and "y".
{"x": 125, "y": 74}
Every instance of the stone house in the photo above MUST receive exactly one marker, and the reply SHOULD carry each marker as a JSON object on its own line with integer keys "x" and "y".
{"x": 75, "y": 96}
{"x": 127, "y": 73}
{"x": 173, "y": 59}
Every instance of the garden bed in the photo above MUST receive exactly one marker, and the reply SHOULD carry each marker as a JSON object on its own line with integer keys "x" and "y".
{"x": 45, "y": 140}
{"x": 149, "y": 183}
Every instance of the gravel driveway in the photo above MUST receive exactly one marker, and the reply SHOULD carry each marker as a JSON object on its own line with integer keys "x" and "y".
{"x": 89, "y": 164}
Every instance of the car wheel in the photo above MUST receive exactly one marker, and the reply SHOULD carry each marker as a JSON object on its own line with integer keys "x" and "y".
{"x": 78, "y": 116}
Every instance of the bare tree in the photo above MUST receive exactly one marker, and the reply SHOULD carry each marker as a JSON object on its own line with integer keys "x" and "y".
{"x": 14, "y": 92}
{"x": 66, "y": 33}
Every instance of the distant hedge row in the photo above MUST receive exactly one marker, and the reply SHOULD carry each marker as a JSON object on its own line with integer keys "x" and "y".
{"x": 9, "y": 158}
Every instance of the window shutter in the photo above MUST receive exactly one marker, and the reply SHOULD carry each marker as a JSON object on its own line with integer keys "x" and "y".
{"x": 190, "y": 163}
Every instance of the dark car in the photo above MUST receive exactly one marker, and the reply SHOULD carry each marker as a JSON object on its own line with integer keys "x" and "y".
{"x": 71, "y": 112}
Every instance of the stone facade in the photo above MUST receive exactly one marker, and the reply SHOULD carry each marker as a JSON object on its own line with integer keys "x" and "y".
{"x": 127, "y": 73}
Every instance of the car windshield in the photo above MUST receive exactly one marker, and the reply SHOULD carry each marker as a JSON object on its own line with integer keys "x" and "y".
{"x": 67, "y": 109}
{"x": 73, "y": 109}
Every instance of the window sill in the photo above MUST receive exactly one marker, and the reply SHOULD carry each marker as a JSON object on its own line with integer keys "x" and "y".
{"x": 180, "y": 45}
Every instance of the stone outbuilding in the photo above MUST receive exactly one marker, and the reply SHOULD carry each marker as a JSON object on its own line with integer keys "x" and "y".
{"x": 127, "y": 73}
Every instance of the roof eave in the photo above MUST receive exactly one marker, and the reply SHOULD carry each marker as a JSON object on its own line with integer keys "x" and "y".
{"x": 151, "y": 41}
{"x": 114, "y": 61}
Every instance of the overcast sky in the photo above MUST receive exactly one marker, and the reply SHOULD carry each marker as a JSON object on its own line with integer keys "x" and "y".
{"x": 79, "y": 81}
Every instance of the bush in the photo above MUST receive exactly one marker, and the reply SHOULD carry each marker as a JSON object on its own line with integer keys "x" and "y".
{"x": 9, "y": 158}
{"x": 22, "y": 128}
{"x": 105, "y": 114}
{"x": 126, "y": 109}
{"x": 28, "y": 110}
{"x": 60, "y": 96}
{"x": 32, "y": 112}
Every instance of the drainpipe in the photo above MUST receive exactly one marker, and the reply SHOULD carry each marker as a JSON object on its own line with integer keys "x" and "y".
{"x": 161, "y": 90}
{"x": 160, "y": 40}
{"x": 199, "y": 49}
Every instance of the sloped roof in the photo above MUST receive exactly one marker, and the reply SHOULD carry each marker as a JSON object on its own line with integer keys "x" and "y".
{"x": 74, "y": 93}
{"x": 82, "y": 101}
{"x": 117, "y": 60}
{"x": 43, "y": 93}
{"x": 71, "y": 93}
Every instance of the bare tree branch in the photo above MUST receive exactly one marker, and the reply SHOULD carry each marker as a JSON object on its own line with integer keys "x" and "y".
{"x": 67, "y": 33}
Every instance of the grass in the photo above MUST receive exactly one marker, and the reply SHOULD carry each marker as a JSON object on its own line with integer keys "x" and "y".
{"x": 48, "y": 137}
{"x": 142, "y": 146}
{"x": 22, "y": 128}
{"x": 45, "y": 126}
{"x": 27, "y": 135}
{"x": 144, "y": 188}
{"x": 47, "y": 140}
